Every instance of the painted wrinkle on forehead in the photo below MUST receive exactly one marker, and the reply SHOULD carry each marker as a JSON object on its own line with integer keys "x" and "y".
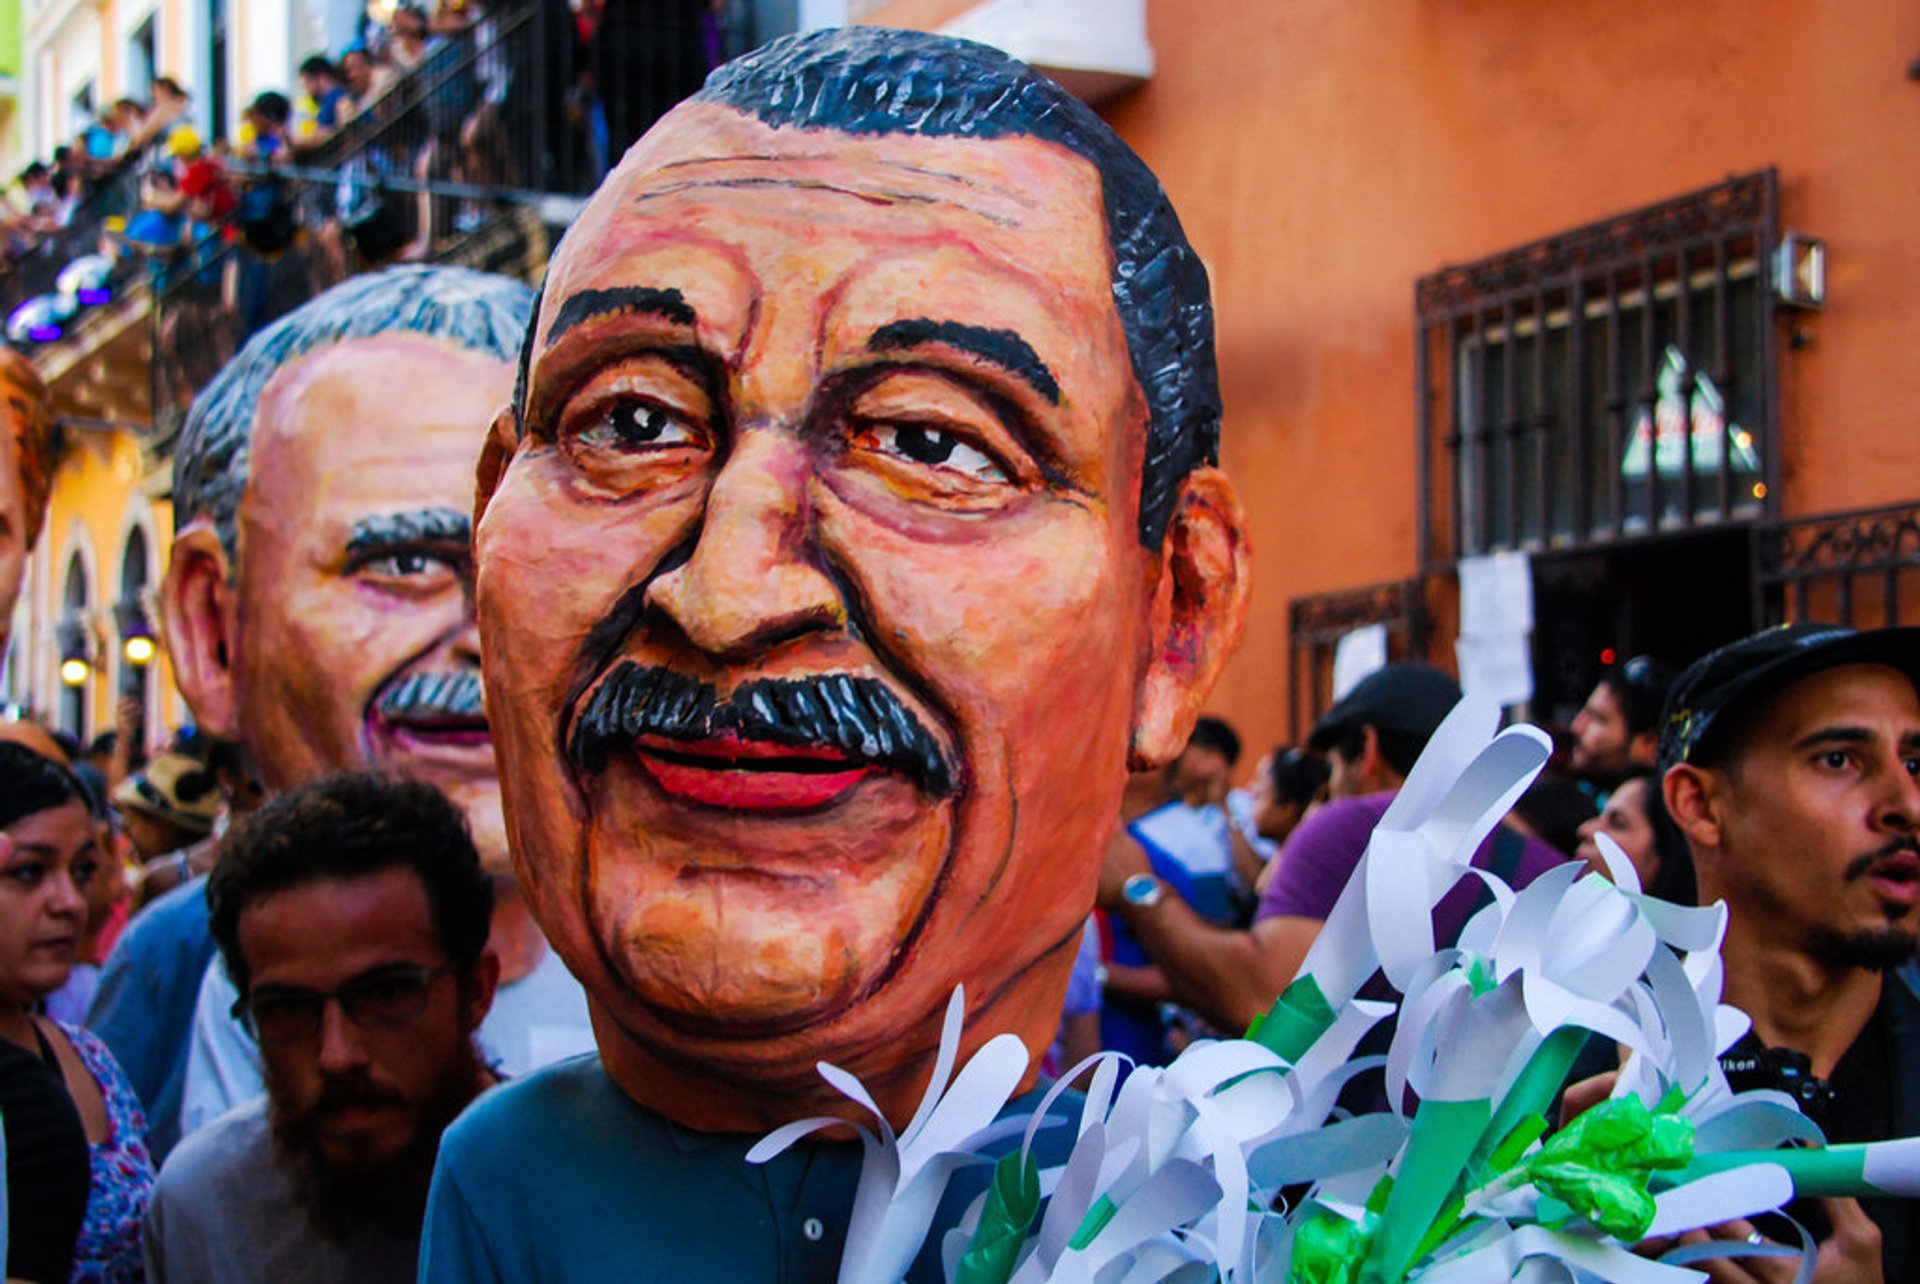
{"x": 710, "y": 142}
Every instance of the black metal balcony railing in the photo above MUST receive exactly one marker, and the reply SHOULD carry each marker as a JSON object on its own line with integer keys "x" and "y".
{"x": 37, "y": 271}
{"x": 1859, "y": 568}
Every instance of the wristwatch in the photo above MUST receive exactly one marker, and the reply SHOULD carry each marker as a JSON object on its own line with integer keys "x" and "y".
{"x": 1142, "y": 891}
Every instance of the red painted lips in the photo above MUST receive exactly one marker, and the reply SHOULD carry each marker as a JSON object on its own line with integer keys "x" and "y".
{"x": 734, "y": 774}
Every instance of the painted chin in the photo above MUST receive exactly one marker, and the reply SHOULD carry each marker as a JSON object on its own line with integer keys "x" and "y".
{"x": 752, "y": 899}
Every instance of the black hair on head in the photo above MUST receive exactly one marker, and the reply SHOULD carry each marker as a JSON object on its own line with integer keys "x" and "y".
{"x": 347, "y": 826}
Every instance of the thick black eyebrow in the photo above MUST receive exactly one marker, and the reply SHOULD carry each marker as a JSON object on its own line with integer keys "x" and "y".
{"x": 668, "y": 304}
{"x": 409, "y": 530}
{"x": 1001, "y": 348}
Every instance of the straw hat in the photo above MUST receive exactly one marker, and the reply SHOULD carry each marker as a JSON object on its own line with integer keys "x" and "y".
{"x": 175, "y": 788}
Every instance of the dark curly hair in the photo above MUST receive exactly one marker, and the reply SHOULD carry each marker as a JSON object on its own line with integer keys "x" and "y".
{"x": 352, "y": 825}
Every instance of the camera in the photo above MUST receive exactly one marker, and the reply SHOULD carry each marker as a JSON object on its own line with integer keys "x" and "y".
{"x": 1748, "y": 1066}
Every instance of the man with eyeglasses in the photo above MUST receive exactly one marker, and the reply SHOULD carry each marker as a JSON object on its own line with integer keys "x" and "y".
{"x": 1618, "y": 729}
{"x": 353, "y": 915}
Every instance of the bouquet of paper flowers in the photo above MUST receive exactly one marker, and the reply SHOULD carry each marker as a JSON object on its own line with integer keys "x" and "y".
{"x": 1234, "y": 1163}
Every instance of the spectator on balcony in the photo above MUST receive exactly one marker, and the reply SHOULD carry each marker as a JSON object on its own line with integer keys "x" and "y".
{"x": 323, "y": 105}
{"x": 160, "y": 223}
{"x": 407, "y": 37}
{"x": 203, "y": 179}
{"x": 645, "y": 59}
{"x": 108, "y": 139}
{"x": 263, "y": 127}
{"x": 69, "y": 184}
{"x": 32, "y": 209}
{"x": 169, "y": 108}
{"x": 486, "y": 158}
{"x": 449, "y": 91}
{"x": 365, "y": 79}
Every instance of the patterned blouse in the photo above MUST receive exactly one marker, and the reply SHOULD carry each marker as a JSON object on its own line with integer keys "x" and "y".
{"x": 109, "y": 1247}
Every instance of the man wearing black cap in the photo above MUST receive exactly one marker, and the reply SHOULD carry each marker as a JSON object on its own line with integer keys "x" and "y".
{"x": 1371, "y": 738}
{"x": 1791, "y": 760}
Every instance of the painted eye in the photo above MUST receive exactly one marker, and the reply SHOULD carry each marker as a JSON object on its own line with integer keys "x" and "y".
{"x": 639, "y": 426}
{"x": 411, "y": 572}
{"x": 403, "y": 564}
{"x": 930, "y": 447}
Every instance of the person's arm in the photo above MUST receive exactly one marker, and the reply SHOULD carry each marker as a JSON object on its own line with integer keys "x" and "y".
{"x": 1227, "y": 976}
{"x": 1079, "y": 1038}
{"x": 1137, "y": 984}
{"x": 129, "y": 722}
{"x": 1248, "y": 864}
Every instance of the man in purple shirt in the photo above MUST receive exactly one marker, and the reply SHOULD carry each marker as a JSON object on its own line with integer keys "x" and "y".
{"x": 1371, "y": 739}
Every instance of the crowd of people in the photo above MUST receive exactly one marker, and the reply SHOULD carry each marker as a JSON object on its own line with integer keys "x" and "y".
{"x": 250, "y": 983}
{"x": 1211, "y": 895}
{"x": 472, "y": 93}
{"x": 1776, "y": 775}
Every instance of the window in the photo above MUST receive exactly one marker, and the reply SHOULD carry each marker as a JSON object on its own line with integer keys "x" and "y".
{"x": 141, "y": 60}
{"x": 80, "y": 110}
{"x": 1608, "y": 383}
{"x": 74, "y": 645}
{"x": 132, "y": 611}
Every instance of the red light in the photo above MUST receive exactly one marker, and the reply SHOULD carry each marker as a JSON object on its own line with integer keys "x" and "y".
{"x": 1607, "y": 655}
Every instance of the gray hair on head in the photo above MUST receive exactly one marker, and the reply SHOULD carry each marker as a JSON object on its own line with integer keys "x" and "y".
{"x": 478, "y": 310}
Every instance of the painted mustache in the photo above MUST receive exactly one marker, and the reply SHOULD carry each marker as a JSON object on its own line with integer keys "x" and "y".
{"x": 859, "y": 717}
{"x": 427, "y": 697}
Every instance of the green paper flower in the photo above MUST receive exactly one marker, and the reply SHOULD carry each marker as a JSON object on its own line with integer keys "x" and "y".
{"x": 1600, "y": 1164}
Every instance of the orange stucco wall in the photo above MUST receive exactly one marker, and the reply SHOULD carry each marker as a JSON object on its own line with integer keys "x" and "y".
{"x": 1325, "y": 154}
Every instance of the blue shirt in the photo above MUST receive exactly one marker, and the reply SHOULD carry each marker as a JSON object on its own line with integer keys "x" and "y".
{"x": 562, "y": 1178}
{"x": 143, "y": 1010}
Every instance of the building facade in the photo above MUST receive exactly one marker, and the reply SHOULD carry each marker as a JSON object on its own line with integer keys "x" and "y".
{"x": 1623, "y": 288}
{"x": 1540, "y": 278}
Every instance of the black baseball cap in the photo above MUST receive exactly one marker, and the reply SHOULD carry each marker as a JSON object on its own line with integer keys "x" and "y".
{"x": 1741, "y": 674}
{"x": 1409, "y": 698}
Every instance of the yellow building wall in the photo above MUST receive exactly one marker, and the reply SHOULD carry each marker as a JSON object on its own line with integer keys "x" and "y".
{"x": 99, "y": 498}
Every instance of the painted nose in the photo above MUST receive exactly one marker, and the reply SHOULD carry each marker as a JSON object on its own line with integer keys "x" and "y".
{"x": 753, "y": 579}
